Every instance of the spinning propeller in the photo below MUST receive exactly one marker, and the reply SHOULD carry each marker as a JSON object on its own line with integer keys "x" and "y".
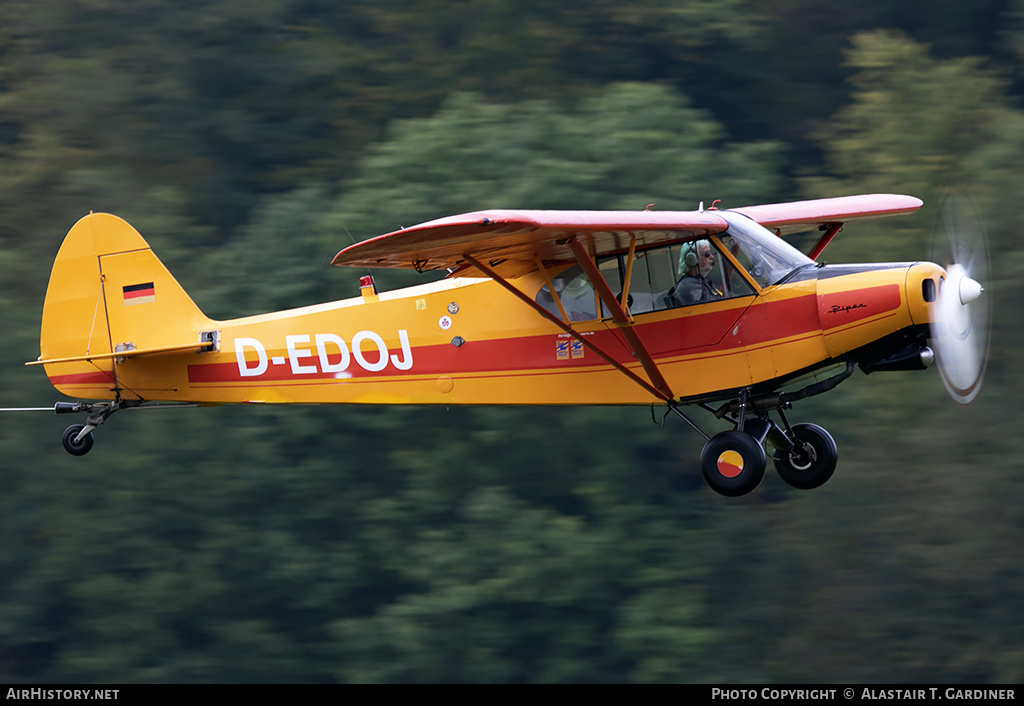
{"x": 961, "y": 314}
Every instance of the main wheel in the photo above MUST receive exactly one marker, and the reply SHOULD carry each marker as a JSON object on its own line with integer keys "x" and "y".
{"x": 76, "y": 448}
{"x": 732, "y": 463}
{"x": 811, "y": 462}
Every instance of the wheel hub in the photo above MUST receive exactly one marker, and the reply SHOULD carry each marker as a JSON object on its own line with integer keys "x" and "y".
{"x": 802, "y": 457}
{"x": 730, "y": 464}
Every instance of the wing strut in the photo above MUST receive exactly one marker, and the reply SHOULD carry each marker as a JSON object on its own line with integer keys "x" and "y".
{"x": 830, "y": 232}
{"x": 551, "y": 288}
{"x": 620, "y": 318}
{"x": 662, "y": 395}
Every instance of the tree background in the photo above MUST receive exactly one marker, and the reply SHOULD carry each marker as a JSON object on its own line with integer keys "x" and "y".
{"x": 247, "y": 139}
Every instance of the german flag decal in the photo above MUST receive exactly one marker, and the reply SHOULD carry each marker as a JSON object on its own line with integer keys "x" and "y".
{"x": 139, "y": 294}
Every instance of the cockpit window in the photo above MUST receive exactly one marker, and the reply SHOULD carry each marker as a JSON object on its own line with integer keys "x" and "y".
{"x": 681, "y": 274}
{"x": 701, "y": 274}
{"x": 768, "y": 258}
{"x": 663, "y": 277}
{"x": 575, "y": 292}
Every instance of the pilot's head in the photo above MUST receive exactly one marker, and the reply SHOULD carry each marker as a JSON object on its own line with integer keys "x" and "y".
{"x": 696, "y": 258}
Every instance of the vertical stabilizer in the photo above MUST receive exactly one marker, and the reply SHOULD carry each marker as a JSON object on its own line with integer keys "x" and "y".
{"x": 108, "y": 293}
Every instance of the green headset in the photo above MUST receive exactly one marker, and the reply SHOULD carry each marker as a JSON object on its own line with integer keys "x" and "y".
{"x": 688, "y": 256}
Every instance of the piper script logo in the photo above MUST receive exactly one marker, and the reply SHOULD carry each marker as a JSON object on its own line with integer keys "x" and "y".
{"x": 325, "y": 353}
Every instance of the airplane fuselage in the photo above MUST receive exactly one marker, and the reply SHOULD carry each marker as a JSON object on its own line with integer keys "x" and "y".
{"x": 467, "y": 341}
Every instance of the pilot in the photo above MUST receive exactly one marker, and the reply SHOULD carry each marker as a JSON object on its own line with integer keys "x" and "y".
{"x": 695, "y": 262}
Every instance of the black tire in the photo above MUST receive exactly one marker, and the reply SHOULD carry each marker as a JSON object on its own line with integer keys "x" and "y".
{"x": 812, "y": 462}
{"x": 732, "y": 463}
{"x": 80, "y": 448}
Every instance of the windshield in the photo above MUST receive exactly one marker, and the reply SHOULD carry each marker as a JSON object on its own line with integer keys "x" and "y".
{"x": 768, "y": 258}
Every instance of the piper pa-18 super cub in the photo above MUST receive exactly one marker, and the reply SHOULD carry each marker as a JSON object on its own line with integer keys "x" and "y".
{"x": 709, "y": 309}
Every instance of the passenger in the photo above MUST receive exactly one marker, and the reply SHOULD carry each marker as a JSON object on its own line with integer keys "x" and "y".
{"x": 575, "y": 292}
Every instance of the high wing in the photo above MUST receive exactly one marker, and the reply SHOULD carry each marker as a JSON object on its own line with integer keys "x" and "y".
{"x": 512, "y": 241}
{"x": 798, "y": 216}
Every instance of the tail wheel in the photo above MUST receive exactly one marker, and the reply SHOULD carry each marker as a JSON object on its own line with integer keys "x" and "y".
{"x": 732, "y": 463}
{"x": 76, "y": 448}
{"x": 811, "y": 462}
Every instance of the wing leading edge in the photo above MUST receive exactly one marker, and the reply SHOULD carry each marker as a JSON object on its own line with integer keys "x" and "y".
{"x": 797, "y": 216}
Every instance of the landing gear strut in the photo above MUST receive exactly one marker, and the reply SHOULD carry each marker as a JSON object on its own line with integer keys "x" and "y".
{"x": 78, "y": 438}
{"x": 733, "y": 462}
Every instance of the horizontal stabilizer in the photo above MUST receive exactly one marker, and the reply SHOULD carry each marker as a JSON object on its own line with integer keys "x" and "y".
{"x": 131, "y": 353}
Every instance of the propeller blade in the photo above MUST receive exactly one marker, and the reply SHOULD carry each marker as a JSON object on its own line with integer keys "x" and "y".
{"x": 961, "y": 315}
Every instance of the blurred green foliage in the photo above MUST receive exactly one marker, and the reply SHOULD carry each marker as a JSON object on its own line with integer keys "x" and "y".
{"x": 249, "y": 141}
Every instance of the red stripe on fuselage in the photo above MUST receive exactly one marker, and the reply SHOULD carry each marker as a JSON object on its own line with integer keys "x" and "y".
{"x": 847, "y": 307}
{"x": 719, "y": 331}
{"x": 82, "y": 378}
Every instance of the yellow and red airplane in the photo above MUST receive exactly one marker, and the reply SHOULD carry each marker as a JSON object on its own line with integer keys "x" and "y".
{"x": 538, "y": 308}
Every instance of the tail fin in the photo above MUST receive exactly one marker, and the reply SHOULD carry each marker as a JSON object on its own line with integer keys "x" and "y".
{"x": 109, "y": 294}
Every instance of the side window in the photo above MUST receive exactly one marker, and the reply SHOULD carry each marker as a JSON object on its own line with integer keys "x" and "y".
{"x": 705, "y": 275}
{"x": 651, "y": 276}
{"x": 613, "y": 270}
{"x": 662, "y": 278}
{"x": 654, "y": 273}
{"x": 733, "y": 283}
{"x": 680, "y": 275}
{"x": 576, "y": 293}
